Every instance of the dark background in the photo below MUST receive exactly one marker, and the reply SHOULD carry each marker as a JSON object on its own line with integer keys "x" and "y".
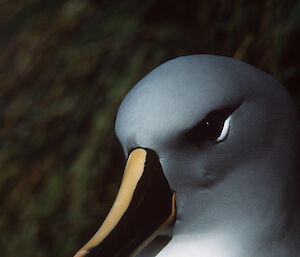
{"x": 65, "y": 67}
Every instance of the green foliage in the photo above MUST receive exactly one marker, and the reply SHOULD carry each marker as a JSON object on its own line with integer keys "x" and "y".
{"x": 65, "y": 67}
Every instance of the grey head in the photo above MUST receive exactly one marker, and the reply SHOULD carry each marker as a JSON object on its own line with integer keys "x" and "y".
{"x": 227, "y": 137}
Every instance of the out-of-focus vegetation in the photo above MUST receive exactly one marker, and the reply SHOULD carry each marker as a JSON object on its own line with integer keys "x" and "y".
{"x": 64, "y": 68}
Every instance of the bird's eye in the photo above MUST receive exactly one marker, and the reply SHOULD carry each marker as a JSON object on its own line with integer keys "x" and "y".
{"x": 216, "y": 129}
{"x": 213, "y": 128}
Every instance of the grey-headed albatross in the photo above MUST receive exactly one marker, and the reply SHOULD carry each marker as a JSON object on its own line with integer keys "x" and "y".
{"x": 213, "y": 146}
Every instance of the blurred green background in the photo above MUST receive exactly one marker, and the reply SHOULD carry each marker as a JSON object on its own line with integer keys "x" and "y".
{"x": 65, "y": 67}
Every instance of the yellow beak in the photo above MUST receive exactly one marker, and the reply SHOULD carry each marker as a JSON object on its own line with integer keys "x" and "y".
{"x": 143, "y": 208}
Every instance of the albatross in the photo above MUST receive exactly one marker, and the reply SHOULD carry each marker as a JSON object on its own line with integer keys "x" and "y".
{"x": 212, "y": 148}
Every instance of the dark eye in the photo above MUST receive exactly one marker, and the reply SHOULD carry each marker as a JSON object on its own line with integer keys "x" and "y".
{"x": 213, "y": 128}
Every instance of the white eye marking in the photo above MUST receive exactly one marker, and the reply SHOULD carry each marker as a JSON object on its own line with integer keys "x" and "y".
{"x": 225, "y": 130}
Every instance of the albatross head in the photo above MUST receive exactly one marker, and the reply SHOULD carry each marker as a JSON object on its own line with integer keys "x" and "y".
{"x": 225, "y": 135}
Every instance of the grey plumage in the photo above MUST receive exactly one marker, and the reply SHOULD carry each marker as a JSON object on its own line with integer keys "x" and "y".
{"x": 237, "y": 197}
